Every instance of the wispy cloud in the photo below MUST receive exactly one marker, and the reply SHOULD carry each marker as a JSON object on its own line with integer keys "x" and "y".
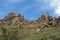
{"x": 52, "y": 4}
{"x": 30, "y": 7}
{"x": 57, "y": 10}
{"x": 55, "y": 4}
{"x": 26, "y": 8}
{"x": 0, "y": 14}
{"x": 15, "y": 1}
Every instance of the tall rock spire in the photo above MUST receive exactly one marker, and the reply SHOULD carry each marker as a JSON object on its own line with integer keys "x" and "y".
{"x": 47, "y": 17}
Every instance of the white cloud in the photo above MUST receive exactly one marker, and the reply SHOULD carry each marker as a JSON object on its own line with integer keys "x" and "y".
{"x": 56, "y": 5}
{"x": 48, "y": 4}
{"x": 57, "y": 10}
{"x": 53, "y": 4}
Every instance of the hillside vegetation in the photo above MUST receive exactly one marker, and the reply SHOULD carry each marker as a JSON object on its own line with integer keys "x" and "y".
{"x": 15, "y": 27}
{"x": 17, "y": 33}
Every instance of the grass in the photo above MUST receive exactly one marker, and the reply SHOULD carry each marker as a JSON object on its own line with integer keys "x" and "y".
{"x": 50, "y": 33}
{"x": 17, "y": 33}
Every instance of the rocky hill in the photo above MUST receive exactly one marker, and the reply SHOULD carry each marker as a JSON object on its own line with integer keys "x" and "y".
{"x": 14, "y": 19}
{"x": 15, "y": 27}
{"x": 46, "y": 21}
{"x": 42, "y": 22}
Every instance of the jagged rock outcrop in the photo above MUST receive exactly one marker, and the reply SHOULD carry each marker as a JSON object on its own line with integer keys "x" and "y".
{"x": 58, "y": 21}
{"x": 19, "y": 20}
{"x": 14, "y": 19}
{"x": 45, "y": 18}
{"x": 48, "y": 21}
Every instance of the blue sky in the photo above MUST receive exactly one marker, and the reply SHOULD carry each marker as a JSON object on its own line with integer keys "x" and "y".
{"x": 30, "y": 9}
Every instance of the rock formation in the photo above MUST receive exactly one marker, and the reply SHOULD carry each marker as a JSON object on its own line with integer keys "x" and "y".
{"x": 13, "y": 19}
{"x": 48, "y": 21}
{"x": 47, "y": 17}
{"x": 42, "y": 22}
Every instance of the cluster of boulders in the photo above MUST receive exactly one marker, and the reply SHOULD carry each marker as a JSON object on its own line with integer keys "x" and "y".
{"x": 13, "y": 19}
{"x": 48, "y": 21}
{"x": 19, "y": 20}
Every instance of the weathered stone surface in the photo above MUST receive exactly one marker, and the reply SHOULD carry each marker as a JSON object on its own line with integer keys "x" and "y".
{"x": 14, "y": 19}
{"x": 58, "y": 21}
{"x": 48, "y": 21}
{"x": 17, "y": 19}
{"x": 47, "y": 17}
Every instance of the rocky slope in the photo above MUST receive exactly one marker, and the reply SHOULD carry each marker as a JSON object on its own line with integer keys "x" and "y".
{"x": 14, "y": 19}
{"x": 19, "y": 20}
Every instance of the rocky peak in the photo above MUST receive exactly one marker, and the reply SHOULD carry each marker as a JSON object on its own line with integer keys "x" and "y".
{"x": 18, "y": 19}
{"x": 47, "y": 17}
{"x": 12, "y": 15}
{"x": 13, "y": 18}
